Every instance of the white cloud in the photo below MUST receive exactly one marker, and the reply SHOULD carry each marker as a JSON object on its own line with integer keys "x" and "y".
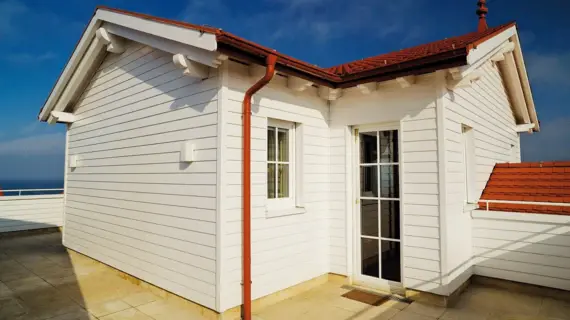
{"x": 27, "y": 58}
{"x": 549, "y": 68}
{"x": 308, "y": 21}
{"x": 43, "y": 144}
{"x": 551, "y": 143}
{"x": 9, "y": 11}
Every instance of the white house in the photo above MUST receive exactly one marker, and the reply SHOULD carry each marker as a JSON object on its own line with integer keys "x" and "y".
{"x": 367, "y": 170}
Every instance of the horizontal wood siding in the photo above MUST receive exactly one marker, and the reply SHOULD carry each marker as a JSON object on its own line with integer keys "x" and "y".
{"x": 131, "y": 203}
{"x": 286, "y": 250}
{"x": 483, "y": 106}
{"x": 522, "y": 247}
{"x": 413, "y": 110}
{"x": 19, "y": 213}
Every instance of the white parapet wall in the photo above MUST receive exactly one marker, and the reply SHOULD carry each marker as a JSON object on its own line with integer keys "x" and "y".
{"x": 19, "y": 213}
{"x": 523, "y": 247}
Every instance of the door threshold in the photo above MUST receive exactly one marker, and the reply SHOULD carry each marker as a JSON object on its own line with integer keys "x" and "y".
{"x": 395, "y": 293}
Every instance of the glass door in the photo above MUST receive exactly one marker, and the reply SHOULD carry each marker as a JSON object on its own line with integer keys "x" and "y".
{"x": 378, "y": 207}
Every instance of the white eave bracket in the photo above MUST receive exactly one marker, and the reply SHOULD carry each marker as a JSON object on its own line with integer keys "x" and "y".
{"x": 406, "y": 82}
{"x": 298, "y": 84}
{"x": 58, "y": 116}
{"x": 457, "y": 80}
{"x": 527, "y": 127}
{"x": 114, "y": 44}
{"x": 190, "y": 68}
{"x": 329, "y": 93}
{"x": 367, "y": 88}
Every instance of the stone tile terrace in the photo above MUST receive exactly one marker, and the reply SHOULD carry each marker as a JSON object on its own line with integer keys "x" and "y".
{"x": 40, "y": 279}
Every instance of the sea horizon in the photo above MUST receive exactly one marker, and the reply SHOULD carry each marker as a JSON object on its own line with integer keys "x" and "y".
{"x": 24, "y": 184}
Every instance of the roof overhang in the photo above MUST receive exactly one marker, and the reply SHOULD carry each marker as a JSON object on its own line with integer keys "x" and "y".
{"x": 503, "y": 49}
{"x": 93, "y": 46}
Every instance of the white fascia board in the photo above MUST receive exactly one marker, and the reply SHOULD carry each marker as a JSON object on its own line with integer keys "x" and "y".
{"x": 196, "y": 45}
{"x": 519, "y": 60}
{"x": 514, "y": 87}
{"x": 191, "y": 37}
{"x": 483, "y": 52}
{"x": 205, "y": 57}
{"x": 64, "y": 117}
{"x": 525, "y": 127}
{"x": 69, "y": 69}
{"x": 486, "y": 48}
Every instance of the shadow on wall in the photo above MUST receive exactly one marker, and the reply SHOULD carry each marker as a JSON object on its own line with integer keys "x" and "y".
{"x": 530, "y": 252}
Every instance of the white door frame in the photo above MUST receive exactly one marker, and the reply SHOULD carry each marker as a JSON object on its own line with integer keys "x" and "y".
{"x": 357, "y": 277}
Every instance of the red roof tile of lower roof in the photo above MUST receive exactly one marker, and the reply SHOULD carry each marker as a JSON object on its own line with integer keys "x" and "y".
{"x": 385, "y": 66}
{"x": 547, "y": 182}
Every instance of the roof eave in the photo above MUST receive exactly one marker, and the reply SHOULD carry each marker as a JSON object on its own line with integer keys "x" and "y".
{"x": 420, "y": 66}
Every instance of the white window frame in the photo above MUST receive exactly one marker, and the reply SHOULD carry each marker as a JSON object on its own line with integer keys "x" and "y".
{"x": 470, "y": 165}
{"x": 283, "y": 206}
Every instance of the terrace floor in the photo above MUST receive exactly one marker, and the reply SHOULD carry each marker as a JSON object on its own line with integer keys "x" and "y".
{"x": 40, "y": 279}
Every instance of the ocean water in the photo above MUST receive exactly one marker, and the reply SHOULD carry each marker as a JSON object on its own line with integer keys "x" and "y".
{"x": 30, "y": 184}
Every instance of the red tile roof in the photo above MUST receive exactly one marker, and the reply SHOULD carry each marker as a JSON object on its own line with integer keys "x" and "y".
{"x": 533, "y": 182}
{"x": 447, "y": 53}
{"x": 464, "y": 42}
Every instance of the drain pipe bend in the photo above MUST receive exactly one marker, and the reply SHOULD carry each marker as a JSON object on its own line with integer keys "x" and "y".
{"x": 269, "y": 71}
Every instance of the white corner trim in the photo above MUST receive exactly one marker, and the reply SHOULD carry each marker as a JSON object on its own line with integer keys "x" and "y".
{"x": 64, "y": 117}
{"x": 190, "y": 68}
{"x": 298, "y": 84}
{"x": 367, "y": 88}
{"x": 329, "y": 93}
{"x": 525, "y": 127}
{"x": 406, "y": 82}
{"x": 114, "y": 44}
{"x": 439, "y": 97}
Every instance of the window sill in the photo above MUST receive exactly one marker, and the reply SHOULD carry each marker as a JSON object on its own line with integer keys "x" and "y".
{"x": 468, "y": 207}
{"x": 272, "y": 213}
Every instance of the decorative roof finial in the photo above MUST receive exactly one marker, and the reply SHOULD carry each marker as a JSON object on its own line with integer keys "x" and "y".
{"x": 482, "y": 13}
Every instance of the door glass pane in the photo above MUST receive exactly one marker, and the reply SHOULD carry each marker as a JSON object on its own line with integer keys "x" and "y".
{"x": 390, "y": 215}
{"x": 389, "y": 146}
{"x": 369, "y": 181}
{"x": 271, "y": 144}
{"x": 271, "y": 180}
{"x": 283, "y": 182}
{"x": 389, "y": 181}
{"x": 368, "y": 147}
{"x": 370, "y": 257}
{"x": 283, "y": 142}
{"x": 391, "y": 260}
{"x": 369, "y": 217}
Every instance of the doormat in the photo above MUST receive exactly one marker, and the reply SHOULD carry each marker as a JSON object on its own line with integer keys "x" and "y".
{"x": 366, "y": 297}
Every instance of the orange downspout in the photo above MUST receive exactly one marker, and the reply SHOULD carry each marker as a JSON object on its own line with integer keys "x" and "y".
{"x": 269, "y": 71}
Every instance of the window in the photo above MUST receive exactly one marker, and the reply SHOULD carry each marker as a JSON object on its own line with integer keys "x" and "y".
{"x": 470, "y": 167}
{"x": 280, "y": 164}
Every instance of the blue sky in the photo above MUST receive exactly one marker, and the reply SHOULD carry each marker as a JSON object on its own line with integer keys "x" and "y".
{"x": 37, "y": 37}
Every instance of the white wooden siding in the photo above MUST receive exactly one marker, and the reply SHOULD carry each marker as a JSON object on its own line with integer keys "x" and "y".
{"x": 522, "y": 247}
{"x": 19, "y": 213}
{"x": 485, "y": 107}
{"x": 413, "y": 109}
{"x": 131, "y": 203}
{"x": 286, "y": 250}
